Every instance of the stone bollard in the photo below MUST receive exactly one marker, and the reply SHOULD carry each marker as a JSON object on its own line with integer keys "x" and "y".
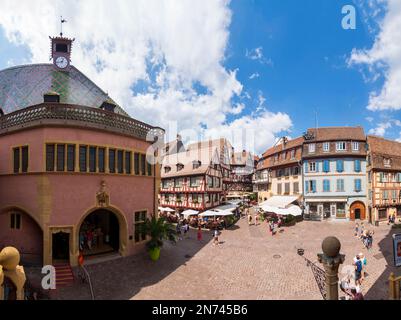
{"x": 9, "y": 260}
{"x": 331, "y": 260}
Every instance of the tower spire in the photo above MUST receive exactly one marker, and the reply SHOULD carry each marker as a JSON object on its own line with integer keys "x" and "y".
{"x": 62, "y": 21}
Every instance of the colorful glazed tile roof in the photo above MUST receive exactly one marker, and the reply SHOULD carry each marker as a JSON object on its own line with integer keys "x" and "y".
{"x": 24, "y": 86}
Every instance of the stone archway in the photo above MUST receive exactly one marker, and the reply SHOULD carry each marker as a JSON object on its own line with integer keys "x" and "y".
{"x": 357, "y": 211}
{"x": 105, "y": 218}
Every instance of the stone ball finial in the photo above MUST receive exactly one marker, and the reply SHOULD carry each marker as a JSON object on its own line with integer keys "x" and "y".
{"x": 9, "y": 258}
{"x": 331, "y": 246}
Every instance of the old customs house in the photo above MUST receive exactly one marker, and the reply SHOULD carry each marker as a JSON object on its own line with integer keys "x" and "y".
{"x": 73, "y": 163}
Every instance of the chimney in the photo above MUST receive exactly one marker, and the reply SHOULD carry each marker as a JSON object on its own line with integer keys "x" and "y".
{"x": 51, "y": 97}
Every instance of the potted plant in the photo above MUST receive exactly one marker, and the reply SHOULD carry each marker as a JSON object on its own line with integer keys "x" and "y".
{"x": 158, "y": 229}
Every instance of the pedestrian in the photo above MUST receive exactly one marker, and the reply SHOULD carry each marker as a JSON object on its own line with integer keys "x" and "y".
{"x": 358, "y": 270}
{"x": 184, "y": 230}
{"x": 356, "y": 294}
{"x": 178, "y": 230}
{"x": 257, "y": 220}
{"x": 364, "y": 263}
{"x": 356, "y": 230}
{"x": 199, "y": 233}
{"x": 249, "y": 219}
{"x": 370, "y": 240}
{"x": 362, "y": 229}
{"x": 89, "y": 238}
{"x": 345, "y": 286}
{"x": 216, "y": 237}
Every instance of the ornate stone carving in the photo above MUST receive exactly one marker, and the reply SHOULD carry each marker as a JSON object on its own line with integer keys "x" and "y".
{"x": 102, "y": 197}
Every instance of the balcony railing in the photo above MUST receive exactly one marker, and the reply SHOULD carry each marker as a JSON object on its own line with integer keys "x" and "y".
{"x": 64, "y": 114}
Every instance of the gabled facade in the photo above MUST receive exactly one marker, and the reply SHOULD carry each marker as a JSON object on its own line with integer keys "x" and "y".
{"x": 334, "y": 166}
{"x": 261, "y": 180}
{"x": 384, "y": 179}
{"x": 284, "y": 165}
{"x": 242, "y": 168}
{"x": 225, "y": 151}
{"x": 192, "y": 180}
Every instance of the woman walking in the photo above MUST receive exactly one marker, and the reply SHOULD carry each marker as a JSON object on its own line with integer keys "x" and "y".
{"x": 199, "y": 233}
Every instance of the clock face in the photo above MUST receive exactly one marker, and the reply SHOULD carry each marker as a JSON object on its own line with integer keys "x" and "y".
{"x": 62, "y": 62}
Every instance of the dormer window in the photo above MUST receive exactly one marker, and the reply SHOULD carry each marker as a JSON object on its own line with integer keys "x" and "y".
{"x": 180, "y": 166}
{"x": 355, "y": 146}
{"x": 196, "y": 164}
{"x": 167, "y": 169}
{"x": 312, "y": 148}
{"x": 283, "y": 155}
{"x": 326, "y": 146}
{"x": 276, "y": 158}
{"x": 293, "y": 154}
{"x": 387, "y": 162}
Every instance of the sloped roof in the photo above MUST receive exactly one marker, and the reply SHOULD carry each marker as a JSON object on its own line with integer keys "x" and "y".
{"x": 205, "y": 156}
{"x": 241, "y": 158}
{"x": 24, "y": 86}
{"x": 381, "y": 149}
{"x": 337, "y": 133}
{"x": 297, "y": 142}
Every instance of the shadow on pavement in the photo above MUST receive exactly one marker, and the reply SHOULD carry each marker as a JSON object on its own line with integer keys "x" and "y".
{"x": 380, "y": 289}
{"x": 123, "y": 278}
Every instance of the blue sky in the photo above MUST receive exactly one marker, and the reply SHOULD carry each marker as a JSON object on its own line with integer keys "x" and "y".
{"x": 288, "y": 58}
{"x": 309, "y": 50}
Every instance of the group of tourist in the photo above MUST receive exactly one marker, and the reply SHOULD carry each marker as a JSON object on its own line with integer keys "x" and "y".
{"x": 351, "y": 284}
{"x": 391, "y": 219}
{"x": 366, "y": 236}
{"x": 92, "y": 236}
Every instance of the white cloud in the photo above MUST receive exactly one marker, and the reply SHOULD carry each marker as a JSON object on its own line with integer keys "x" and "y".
{"x": 384, "y": 58}
{"x": 381, "y": 128}
{"x": 369, "y": 119}
{"x": 254, "y": 76}
{"x": 168, "y": 45}
{"x": 257, "y": 55}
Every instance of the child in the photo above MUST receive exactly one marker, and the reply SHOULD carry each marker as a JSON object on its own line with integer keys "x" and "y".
{"x": 356, "y": 230}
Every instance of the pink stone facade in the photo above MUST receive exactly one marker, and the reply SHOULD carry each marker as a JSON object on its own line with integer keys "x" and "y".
{"x": 51, "y": 200}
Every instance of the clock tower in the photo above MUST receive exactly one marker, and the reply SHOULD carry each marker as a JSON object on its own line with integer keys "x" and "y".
{"x": 61, "y": 52}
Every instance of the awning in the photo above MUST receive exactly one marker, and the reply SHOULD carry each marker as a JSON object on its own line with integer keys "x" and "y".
{"x": 166, "y": 209}
{"x": 188, "y": 213}
{"x": 291, "y": 210}
{"x": 327, "y": 200}
{"x": 279, "y": 201}
{"x": 228, "y": 207}
{"x": 211, "y": 213}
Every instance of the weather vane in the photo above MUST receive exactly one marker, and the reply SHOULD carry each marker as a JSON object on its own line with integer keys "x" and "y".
{"x": 62, "y": 22}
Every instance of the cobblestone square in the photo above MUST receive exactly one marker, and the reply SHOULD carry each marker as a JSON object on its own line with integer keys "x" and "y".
{"x": 249, "y": 263}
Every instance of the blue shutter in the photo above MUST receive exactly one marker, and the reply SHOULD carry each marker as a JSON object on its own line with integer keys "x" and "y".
{"x": 306, "y": 186}
{"x": 306, "y": 167}
{"x": 358, "y": 185}
{"x": 326, "y": 166}
{"x": 317, "y": 166}
{"x": 340, "y": 165}
{"x": 313, "y": 185}
{"x": 326, "y": 186}
{"x": 357, "y": 165}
